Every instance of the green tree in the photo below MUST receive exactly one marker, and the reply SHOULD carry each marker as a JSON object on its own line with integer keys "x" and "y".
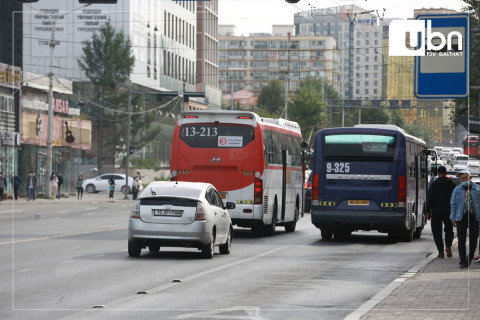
{"x": 272, "y": 97}
{"x": 107, "y": 61}
{"x": 308, "y": 108}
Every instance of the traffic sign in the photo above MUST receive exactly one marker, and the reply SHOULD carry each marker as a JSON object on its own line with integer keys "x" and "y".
{"x": 443, "y": 72}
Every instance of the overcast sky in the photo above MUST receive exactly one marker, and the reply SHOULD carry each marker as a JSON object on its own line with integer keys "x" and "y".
{"x": 259, "y": 15}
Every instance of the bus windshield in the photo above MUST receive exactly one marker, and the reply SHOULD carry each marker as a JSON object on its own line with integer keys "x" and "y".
{"x": 217, "y": 136}
{"x": 359, "y": 147}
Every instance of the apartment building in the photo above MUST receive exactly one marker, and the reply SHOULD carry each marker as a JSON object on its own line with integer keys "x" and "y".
{"x": 250, "y": 62}
{"x": 359, "y": 35}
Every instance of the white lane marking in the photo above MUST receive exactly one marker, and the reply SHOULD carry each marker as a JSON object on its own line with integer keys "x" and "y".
{"x": 26, "y": 270}
{"x": 252, "y": 313}
{"x": 73, "y": 234}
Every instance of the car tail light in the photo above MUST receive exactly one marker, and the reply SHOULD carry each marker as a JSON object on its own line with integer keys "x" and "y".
{"x": 315, "y": 190}
{"x": 258, "y": 191}
{"x": 201, "y": 213}
{"x": 190, "y": 117}
{"x": 308, "y": 185}
{"x": 135, "y": 214}
{"x": 244, "y": 117}
{"x": 402, "y": 192}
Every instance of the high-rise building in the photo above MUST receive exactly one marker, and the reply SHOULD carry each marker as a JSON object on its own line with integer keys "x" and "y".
{"x": 250, "y": 62}
{"x": 163, "y": 36}
{"x": 359, "y": 35}
{"x": 207, "y": 52}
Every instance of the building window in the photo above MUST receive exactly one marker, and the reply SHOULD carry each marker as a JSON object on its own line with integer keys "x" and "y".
{"x": 366, "y": 91}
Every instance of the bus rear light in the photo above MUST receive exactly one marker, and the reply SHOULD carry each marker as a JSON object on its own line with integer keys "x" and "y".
{"x": 201, "y": 213}
{"x": 247, "y": 210}
{"x": 244, "y": 117}
{"x": 402, "y": 192}
{"x": 190, "y": 117}
{"x": 315, "y": 190}
{"x": 258, "y": 191}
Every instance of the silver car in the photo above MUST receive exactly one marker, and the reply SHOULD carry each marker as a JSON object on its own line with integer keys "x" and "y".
{"x": 180, "y": 214}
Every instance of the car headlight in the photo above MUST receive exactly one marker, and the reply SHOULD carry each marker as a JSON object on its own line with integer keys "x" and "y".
{"x": 135, "y": 214}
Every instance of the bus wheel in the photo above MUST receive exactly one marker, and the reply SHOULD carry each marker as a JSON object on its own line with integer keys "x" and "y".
{"x": 326, "y": 234}
{"x": 407, "y": 235}
{"x": 270, "y": 229}
{"x": 290, "y": 226}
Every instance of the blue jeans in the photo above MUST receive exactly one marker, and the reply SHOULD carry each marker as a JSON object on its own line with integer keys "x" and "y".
{"x": 58, "y": 191}
{"x": 31, "y": 194}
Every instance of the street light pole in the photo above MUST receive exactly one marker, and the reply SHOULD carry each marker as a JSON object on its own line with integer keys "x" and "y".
{"x": 128, "y": 136}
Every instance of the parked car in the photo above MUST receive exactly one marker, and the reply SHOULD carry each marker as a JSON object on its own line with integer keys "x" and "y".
{"x": 180, "y": 214}
{"x": 474, "y": 167}
{"x": 459, "y": 162}
{"x": 100, "y": 183}
{"x": 308, "y": 193}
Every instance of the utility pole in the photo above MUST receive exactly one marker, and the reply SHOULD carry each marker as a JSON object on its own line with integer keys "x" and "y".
{"x": 50, "y": 103}
{"x": 128, "y": 136}
{"x": 287, "y": 87}
{"x": 232, "y": 92}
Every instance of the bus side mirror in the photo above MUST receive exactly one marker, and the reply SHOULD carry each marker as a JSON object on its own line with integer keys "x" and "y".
{"x": 304, "y": 144}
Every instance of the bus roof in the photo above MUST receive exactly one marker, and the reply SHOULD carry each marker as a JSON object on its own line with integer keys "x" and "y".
{"x": 235, "y": 116}
{"x": 384, "y": 127}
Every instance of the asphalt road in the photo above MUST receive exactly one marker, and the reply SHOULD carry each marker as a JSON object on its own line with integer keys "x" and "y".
{"x": 70, "y": 261}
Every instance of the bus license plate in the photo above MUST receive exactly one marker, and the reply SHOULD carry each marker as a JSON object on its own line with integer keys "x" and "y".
{"x": 358, "y": 202}
{"x": 223, "y": 195}
{"x": 167, "y": 213}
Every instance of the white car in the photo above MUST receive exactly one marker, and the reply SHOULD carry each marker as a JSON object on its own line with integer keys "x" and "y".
{"x": 100, "y": 183}
{"x": 459, "y": 162}
{"x": 180, "y": 214}
{"x": 444, "y": 153}
{"x": 474, "y": 167}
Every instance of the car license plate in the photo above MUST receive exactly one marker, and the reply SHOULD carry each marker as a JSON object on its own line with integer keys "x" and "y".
{"x": 358, "y": 202}
{"x": 223, "y": 195}
{"x": 167, "y": 213}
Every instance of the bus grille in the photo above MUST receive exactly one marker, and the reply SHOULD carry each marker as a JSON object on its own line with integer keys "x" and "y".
{"x": 265, "y": 204}
{"x": 409, "y": 214}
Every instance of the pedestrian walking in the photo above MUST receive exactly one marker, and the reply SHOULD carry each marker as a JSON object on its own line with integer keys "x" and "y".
{"x": 465, "y": 215}
{"x": 80, "y": 187}
{"x": 135, "y": 187}
{"x": 31, "y": 186}
{"x": 53, "y": 185}
{"x": 60, "y": 183}
{"x": 438, "y": 211}
{"x": 3, "y": 184}
{"x": 111, "y": 183}
{"x": 17, "y": 182}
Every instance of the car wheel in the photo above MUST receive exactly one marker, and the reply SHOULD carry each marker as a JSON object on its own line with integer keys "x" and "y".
{"x": 208, "y": 250}
{"x": 154, "y": 248}
{"x": 227, "y": 246}
{"x": 326, "y": 234}
{"x": 134, "y": 248}
{"x": 124, "y": 188}
{"x": 90, "y": 188}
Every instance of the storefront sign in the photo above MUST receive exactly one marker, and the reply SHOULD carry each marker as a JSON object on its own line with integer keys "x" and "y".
{"x": 9, "y": 138}
{"x": 60, "y": 106}
{"x": 9, "y": 76}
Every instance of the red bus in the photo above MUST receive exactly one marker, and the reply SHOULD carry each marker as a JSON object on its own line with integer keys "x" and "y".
{"x": 255, "y": 162}
{"x": 470, "y": 146}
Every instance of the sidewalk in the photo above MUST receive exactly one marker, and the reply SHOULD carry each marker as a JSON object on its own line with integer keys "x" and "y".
{"x": 100, "y": 197}
{"x": 437, "y": 290}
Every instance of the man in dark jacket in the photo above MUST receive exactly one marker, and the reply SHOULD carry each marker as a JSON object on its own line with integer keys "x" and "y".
{"x": 438, "y": 210}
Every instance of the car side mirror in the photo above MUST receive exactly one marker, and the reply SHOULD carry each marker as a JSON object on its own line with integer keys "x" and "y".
{"x": 230, "y": 205}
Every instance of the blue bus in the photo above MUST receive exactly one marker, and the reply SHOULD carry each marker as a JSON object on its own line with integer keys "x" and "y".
{"x": 369, "y": 177}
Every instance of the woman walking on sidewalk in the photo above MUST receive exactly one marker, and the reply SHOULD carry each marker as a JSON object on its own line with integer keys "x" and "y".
{"x": 53, "y": 185}
{"x": 80, "y": 187}
{"x": 111, "y": 183}
{"x": 465, "y": 206}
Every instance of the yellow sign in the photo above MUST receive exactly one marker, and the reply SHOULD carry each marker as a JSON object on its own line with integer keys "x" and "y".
{"x": 388, "y": 205}
{"x": 327, "y": 203}
{"x": 358, "y": 202}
